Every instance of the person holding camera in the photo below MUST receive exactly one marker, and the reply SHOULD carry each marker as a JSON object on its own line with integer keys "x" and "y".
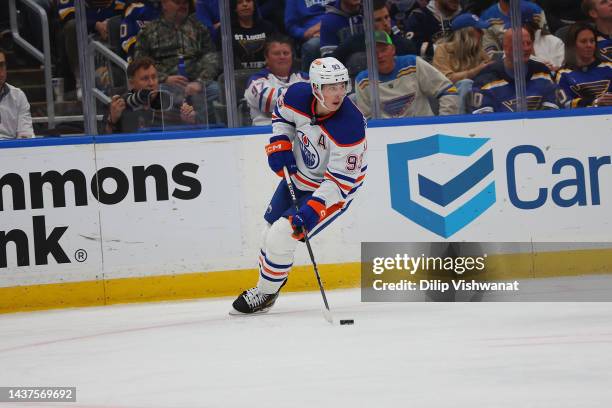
{"x": 144, "y": 106}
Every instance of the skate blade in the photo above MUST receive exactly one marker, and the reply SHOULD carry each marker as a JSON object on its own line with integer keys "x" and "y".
{"x": 234, "y": 312}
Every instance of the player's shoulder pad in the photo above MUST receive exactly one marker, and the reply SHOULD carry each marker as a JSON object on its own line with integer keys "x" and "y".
{"x": 298, "y": 97}
{"x": 347, "y": 127}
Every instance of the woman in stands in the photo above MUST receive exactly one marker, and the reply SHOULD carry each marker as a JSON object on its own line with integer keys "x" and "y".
{"x": 249, "y": 33}
{"x": 585, "y": 80}
{"x": 461, "y": 56}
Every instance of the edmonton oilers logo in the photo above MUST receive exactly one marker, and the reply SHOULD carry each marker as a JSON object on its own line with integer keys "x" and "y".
{"x": 310, "y": 156}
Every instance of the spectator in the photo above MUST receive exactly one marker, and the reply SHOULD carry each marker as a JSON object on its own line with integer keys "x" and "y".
{"x": 175, "y": 38}
{"x": 547, "y": 49}
{"x": 15, "y": 118}
{"x": 207, "y": 12}
{"x": 303, "y": 23}
{"x": 461, "y": 57}
{"x": 406, "y": 85}
{"x": 494, "y": 87}
{"x": 274, "y": 12}
{"x": 561, "y": 13}
{"x": 585, "y": 79}
{"x": 600, "y": 11}
{"x": 427, "y": 25}
{"x": 342, "y": 19}
{"x": 98, "y": 12}
{"x": 476, "y": 6}
{"x": 136, "y": 16}
{"x": 265, "y": 87}
{"x": 352, "y": 52}
{"x": 141, "y": 108}
{"x": 249, "y": 34}
{"x": 401, "y": 9}
{"x": 498, "y": 16}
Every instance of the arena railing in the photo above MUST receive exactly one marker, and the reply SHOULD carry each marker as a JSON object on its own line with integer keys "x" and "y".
{"x": 44, "y": 57}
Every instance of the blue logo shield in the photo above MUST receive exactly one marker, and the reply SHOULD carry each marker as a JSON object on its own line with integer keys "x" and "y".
{"x": 399, "y": 154}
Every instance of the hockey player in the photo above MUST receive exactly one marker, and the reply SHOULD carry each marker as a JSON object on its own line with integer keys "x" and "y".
{"x": 319, "y": 136}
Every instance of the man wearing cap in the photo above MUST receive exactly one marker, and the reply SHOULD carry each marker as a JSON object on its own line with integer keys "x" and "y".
{"x": 406, "y": 84}
{"x": 494, "y": 88}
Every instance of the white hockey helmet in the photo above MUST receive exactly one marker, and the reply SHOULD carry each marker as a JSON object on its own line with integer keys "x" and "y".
{"x": 324, "y": 71}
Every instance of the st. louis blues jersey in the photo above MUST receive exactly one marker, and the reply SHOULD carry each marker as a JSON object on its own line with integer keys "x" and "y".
{"x": 582, "y": 86}
{"x": 604, "y": 45}
{"x": 407, "y": 90}
{"x": 330, "y": 151}
{"x": 96, "y": 10}
{"x": 494, "y": 15}
{"x": 136, "y": 15}
{"x": 494, "y": 89}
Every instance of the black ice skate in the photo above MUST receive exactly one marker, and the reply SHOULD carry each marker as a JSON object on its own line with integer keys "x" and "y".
{"x": 252, "y": 301}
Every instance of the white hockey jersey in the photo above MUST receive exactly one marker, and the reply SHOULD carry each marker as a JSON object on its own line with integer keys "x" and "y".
{"x": 330, "y": 151}
{"x": 263, "y": 89}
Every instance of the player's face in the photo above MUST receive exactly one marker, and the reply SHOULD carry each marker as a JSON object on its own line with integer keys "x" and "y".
{"x": 145, "y": 78}
{"x": 279, "y": 59}
{"x": 382, "y": 20}
{"x": 585, "y": 45}
{"x": 2, "y": 69}
{"x": 175, "y": 10}
{"x": 384, "y": 57}
{"x": 333, "y": 95}
{"x": 245, "y": 8}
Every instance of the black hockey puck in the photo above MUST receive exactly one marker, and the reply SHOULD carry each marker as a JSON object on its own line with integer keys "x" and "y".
{"x": 347, "y": 321}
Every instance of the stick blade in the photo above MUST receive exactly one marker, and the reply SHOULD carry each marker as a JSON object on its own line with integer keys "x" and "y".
{"x": 328, "y": 316}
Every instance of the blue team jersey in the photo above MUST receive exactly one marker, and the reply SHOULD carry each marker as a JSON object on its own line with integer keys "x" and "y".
{"x": 494, "y": 89}
{"x": 136, "y": 15}
{"x": 337, "y": 27}
{"x": 582, "y": 86}
{"x": 604, "y": 44}
{"x": 493, "y": 15}
{"x": 110, "y": 8}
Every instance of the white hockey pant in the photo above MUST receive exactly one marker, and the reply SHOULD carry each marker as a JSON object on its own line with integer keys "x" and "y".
{"x": 276, "y": 255}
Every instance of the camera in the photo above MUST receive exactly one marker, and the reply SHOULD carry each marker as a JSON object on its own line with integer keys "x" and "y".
{"x": 161, "y": 100}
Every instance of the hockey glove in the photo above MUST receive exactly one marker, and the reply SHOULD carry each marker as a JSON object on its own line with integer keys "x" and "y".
{"x": 280, "y": 153}
{"x": 308, "y": 216}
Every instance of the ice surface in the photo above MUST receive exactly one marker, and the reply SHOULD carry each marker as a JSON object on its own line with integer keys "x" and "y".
{"x": 192, "y": 354}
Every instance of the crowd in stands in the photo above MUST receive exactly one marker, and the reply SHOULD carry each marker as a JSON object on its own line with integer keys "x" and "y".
{"x": 435, "y": 57}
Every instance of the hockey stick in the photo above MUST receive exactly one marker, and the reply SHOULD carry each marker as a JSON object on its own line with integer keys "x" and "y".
{"x": 326, "y": 311}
